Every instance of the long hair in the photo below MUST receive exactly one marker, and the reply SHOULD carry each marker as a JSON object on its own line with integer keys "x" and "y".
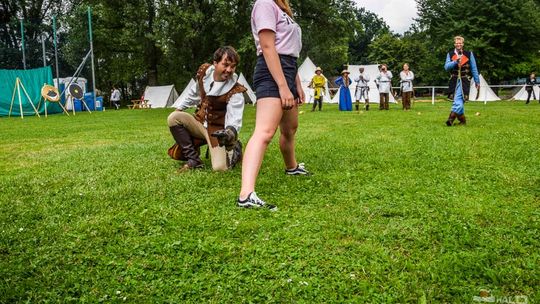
{"x": 284, "y": 5}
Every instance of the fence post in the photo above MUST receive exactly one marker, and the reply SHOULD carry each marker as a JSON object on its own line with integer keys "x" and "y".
{"x": 433, "y": 95}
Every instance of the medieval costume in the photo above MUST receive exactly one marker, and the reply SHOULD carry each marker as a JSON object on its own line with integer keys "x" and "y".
{"x": 217, "y": 121}
{"x": 406, "y": 88}
{"x": 318, "y": 83}
{"x": 362, "y": 90}
{"x": 462, "y": 65}
{"x": 345, "y": 100}
{"x": 384, "y": 82}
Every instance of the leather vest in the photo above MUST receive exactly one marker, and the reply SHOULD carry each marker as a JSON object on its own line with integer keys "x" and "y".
{"x": 212, "y": 109}
{"x": 465, "y": 74}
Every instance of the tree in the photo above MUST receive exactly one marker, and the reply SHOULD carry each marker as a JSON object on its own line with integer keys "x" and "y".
{"x": 503, "y": 34}
{"x": 373, "y": 27}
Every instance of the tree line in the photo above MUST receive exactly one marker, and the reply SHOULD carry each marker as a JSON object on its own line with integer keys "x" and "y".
{"x": 156, "y": 42}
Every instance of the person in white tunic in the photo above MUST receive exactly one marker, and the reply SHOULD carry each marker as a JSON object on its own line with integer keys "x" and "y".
{"x": 220, "y": 104}
{"x": 384, "y": 84}
{"x": 406, "y": 86}
{"x": 362, "y": 89}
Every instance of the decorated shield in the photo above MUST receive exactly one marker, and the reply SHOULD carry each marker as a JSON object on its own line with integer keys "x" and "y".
{"x": 50, "y": 93}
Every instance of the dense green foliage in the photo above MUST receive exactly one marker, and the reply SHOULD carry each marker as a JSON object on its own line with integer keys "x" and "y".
{"x": 400, "y": 209}
{"x": 140, "y": 42}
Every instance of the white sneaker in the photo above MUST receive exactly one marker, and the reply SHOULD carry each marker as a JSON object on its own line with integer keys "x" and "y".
{"x": 253, "y": 201}
{"x": 299, "y": 170}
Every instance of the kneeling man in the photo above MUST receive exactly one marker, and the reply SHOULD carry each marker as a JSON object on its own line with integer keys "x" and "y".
{"x": 220, "y": 104}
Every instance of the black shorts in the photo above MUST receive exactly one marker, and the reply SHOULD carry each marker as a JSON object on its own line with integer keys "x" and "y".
{"x": 264, "y": 83}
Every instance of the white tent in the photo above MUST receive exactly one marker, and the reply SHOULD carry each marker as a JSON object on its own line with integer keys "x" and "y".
{"x": 486, "y": 93}
{"x": 306, "y": 72}
{"x": 184, "y": 93}
{"x": 160, "y": 96}
{"x": 250, "y": 95}
{"x": 372, "y": 71}
{"x": 522, "y": 94}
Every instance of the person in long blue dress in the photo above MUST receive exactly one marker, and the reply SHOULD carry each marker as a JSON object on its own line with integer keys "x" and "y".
{"x": 345, "y": 100}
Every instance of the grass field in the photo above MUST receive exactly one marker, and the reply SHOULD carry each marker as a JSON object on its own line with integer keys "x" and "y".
{"x": 400, "y": 209}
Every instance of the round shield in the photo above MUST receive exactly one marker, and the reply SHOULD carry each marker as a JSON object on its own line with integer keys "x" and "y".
{"x": 50, "y": 93}
{"x": 75, "y": 90}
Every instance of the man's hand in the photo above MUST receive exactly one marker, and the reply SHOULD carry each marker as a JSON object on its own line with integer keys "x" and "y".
{"x": 226, "y": 137}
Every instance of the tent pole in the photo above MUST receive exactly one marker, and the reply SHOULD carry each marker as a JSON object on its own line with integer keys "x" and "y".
{"x": 43, "y": 49}
{"x": 19, "y": 93}
{"x": 92, "y": 54}
{"x": 22, "y": 44}
{"x": 56, "y": 54}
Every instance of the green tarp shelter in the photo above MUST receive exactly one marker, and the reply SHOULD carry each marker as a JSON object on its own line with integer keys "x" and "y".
{"x": 32, "y": 80}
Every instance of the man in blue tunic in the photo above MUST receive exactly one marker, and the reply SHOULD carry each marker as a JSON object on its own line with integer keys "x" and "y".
{"x": 461, "y": 65}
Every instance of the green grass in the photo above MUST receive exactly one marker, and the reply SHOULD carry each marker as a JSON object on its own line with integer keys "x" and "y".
{"x": 400, "y": 209}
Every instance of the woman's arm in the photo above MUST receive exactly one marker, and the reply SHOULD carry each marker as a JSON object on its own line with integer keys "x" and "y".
{"x": 267, "y": 39}
{"x": 300, "y": 90}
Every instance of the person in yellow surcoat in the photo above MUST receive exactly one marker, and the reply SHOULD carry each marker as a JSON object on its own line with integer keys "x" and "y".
{"x": 318, "y": 83}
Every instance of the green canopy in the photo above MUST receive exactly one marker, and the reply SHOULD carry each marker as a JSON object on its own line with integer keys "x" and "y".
{"x": 32, "y": 80}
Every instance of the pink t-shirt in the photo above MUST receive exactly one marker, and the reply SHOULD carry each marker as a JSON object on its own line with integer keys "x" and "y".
{"x": 266, "y": 14}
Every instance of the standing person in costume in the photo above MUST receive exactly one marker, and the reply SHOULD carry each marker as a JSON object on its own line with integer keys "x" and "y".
{"x": 461, "y": 65}
{"x": 318, "y": 83}
{"x": 531, "y": 82}
{"x": 278, "y": 39}
{"x": 220, "y": 104}
{"x": 384, "y": 81}
{"x": 406, "y": 86}
{"x": 362, "y": 89}
{"x": 345, "y": 100}
{"x": 115, "y": 97}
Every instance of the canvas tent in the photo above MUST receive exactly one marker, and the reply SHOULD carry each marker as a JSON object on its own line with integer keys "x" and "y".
{"x": 160, "y": 96}
{"x": 250, "y": 95}
{"x": 486, "y": 93}
{"x": 522, "y": 93}
{"x": 306, "y": 71}
{"x": 372, "y": 71}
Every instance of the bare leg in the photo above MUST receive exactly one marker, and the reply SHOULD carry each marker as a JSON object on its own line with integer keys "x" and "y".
{"x": 267, "y": 119}
{"x": 288, "y": 127}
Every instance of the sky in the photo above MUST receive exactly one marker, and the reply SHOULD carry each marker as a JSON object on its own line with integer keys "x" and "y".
{"x": 398, "y": 14}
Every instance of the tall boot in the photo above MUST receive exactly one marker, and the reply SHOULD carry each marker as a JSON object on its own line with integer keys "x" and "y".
{"x": 367, "y": 106}
{"x": 462, "y": 120}
{"x": 189, "y": 152}
{"x": 451, "y": 118}
{"x": 357, "y": 107}
{"x": 314, "y": 105}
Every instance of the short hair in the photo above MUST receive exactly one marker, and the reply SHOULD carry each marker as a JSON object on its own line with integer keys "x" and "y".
{"x": 459, "y": 38}
{"x": 231, "y": 53}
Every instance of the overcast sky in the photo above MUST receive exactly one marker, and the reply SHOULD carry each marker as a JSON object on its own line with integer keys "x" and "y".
{"x": 398, "y": 14}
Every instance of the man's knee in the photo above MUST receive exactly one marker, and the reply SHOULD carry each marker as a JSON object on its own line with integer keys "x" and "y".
{"x": 177, "y": 118}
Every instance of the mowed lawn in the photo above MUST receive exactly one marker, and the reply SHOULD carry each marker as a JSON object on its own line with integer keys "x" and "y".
{"x": 400, "y": 209}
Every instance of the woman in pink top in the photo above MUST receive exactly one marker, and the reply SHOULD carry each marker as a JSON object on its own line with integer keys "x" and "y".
{"x": 279, "y": 92}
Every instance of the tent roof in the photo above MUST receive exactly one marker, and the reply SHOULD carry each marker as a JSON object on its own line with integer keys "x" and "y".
{"x": 522, "y": 93}
{"x": 486, "y": 93}
{"x": 372, "y": 71}
{"x": 160, "y": 96}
